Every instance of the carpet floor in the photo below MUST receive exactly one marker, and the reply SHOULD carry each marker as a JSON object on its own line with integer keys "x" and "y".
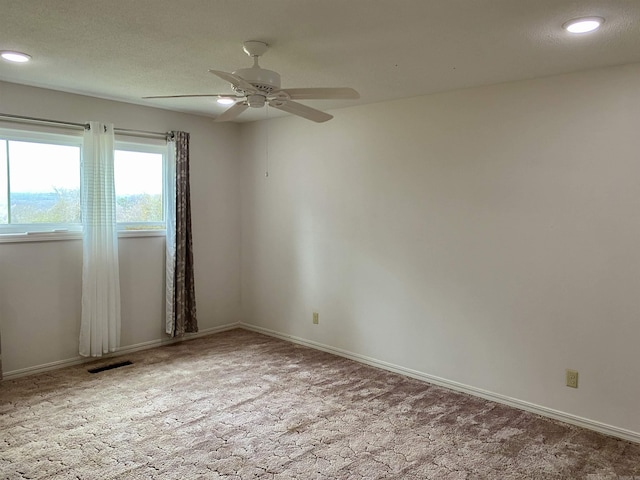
{"x": 240, "y": 405}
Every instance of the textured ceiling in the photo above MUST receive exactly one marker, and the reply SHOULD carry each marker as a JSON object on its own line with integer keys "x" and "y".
{"x": 385, "y": 49}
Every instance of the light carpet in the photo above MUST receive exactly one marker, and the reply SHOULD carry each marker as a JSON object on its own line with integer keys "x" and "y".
{"x": 240, "y": 405}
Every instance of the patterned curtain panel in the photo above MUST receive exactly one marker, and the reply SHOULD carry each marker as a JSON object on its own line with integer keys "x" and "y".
{"x": 181, "y": 294}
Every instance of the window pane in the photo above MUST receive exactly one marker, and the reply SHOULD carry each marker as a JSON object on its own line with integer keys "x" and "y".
{"x": 138, "y": 179}
{"x": 45, "y": 183}
{"x": 4, "y": 210}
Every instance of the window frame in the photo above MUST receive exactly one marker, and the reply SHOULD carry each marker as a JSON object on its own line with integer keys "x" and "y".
{"x": 155, "y": 148}
{"x": 38, "y": 232}
{"x": 41, "y": 229}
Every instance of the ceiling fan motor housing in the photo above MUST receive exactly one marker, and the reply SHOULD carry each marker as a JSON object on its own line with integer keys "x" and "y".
{"x": 264, "y": 80}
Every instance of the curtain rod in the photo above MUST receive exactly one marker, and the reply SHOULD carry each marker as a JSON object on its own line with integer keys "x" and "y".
{"x": 82, "y": 126}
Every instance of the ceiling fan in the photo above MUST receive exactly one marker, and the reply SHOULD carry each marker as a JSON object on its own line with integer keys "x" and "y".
{"x": 256, "y": 87}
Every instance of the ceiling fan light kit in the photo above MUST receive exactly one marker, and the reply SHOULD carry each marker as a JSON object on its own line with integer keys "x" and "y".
{"x": 256, "y": 101}
{"x": 256, "y": 87}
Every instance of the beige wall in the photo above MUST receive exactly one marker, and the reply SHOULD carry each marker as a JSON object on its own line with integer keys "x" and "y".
{"x": 488, "y": 236}
{"x": 40, "y": 282}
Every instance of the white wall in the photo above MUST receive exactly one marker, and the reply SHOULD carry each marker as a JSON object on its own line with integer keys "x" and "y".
{"x": 40, "y": 282}
{"x": 488, "y": 236}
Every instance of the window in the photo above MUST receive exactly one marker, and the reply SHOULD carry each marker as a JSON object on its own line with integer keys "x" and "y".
{"x": 139, "y": 179}
{"x": 40, "y": 183}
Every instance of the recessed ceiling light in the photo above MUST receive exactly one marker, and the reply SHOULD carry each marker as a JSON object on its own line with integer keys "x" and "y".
{"x": 16, "y": 57}
{"x": 226, "y": 101}
{"x": 583, "y": 25}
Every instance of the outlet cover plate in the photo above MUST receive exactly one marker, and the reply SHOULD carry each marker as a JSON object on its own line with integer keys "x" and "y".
{"x": 572, "y": 378}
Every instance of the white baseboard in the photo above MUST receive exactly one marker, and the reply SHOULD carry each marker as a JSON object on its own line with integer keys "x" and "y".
{"x": 460, "y": 387}
{"x": 121, "y": 351}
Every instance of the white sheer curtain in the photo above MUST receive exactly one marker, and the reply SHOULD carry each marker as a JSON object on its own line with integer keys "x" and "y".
{"x": 100, "y": 324}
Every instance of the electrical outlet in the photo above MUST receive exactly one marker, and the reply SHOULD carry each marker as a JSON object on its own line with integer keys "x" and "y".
{"x": 572, "y": 378}
{"x": 315, "y": 318}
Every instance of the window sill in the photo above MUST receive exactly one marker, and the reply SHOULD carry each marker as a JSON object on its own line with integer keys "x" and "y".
{"x": 57, "y": 236}
{"x": 141, "y": 233}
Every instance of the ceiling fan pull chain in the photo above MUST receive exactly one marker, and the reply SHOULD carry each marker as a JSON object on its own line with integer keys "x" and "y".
{"x": 266, "y": 156}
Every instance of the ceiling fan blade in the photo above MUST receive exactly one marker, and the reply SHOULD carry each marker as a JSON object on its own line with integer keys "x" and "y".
{"x": 232, "y": 112}
{"x": 302, "y": 111}
{"x": 321, "y": 93}
{"x": 218, "y": 95}
{"x": 235, "y": 81}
